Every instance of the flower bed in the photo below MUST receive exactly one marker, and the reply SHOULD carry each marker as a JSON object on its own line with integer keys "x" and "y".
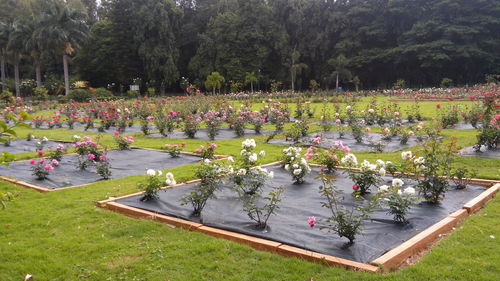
{"x": 202, "y": 134}
{"x": 23, "y": 145}
{"x": 123, "y": 163}
{"x": 484, "y": 152}
{"x": 289, "y": 226}
{"x": 369, "y": 143}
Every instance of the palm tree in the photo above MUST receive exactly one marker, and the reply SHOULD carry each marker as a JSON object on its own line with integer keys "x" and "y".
{"x": 4, "y": 40}
{"x": 14, "y": 46}
{"x": 63, "y": 28}
{"x": 33, "y": 46}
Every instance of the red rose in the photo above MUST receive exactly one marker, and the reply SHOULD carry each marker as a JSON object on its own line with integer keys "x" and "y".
{"x": 355, "y": 187}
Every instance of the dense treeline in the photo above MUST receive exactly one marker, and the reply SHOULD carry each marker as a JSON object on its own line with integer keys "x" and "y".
{"x": 293, "y": 44}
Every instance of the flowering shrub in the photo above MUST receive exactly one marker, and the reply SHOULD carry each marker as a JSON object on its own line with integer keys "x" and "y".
{"x": 85, "y": 147}
{"x": 250, "y": 181}
{"x": 367, "y": 176}
{"x": 329, "y": 158}
{"x": 213, "y": 120}
{"x": 248, "y": 156}
{"x": 397, "y": 199}
{"x": 103, "y": 167}
{"x": 298, "y": 169}
{"x": 153, "y": 183}
{"x": 174, "y": 149}
{"x": 123, "y": 142}
{"x": 191, "y": 126}
{"x": 290, "y": 154}
{"x": 261, "y": 213}
{"x": 145, "y": 124}
{"x": 57, "y": 154}
{"x": 206, "y": 151}
{"x": 211, "y": 175}
{"x": 434, "y": 165}
{"x": 449, "y": 117}
{"x": 277, "y": 117}
{"x": 166, "y": 122}
{"x": 490, "y": 131}
{"x": 344, "y": 222}
{"x": 298, "y": 130}
{"x": 40, "y": 144}
{"x": 41, "y": 168}
{"x": 239, "y": 124}
{"x": 257, "y": 120}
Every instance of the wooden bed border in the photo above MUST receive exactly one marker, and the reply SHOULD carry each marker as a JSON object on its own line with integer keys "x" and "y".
{"x": 387, "y": 262}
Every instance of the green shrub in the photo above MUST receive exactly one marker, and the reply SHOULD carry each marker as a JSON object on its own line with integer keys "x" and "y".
{"x": 79, "y": 95}
{"x": 7, "y": 96}
{"x": 103, "y": 93}
{"x": 132, "y": 94}
{"x": 446, "y": 82}
{"x": 41, "y": 94}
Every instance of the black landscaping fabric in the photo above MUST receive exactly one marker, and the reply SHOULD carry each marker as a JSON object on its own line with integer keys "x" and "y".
{"x": 23, "y": 145}
{"x": 128, "y": 130}
{"x": 123, "y": 163}
{"x": 484, "y": 152}
{"x": 290, "y": 225}
{"x": 224, "y": 134}
{"x": 329, "y": 138}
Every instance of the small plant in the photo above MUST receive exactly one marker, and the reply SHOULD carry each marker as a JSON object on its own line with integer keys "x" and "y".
{"x": 211, "y": 175}
{"x": 290, "y": 154}
{"x": 153, "y": 183}
{"x": 257, "y": 120}
{"x": 41, "y": 168}
{"x": 405, "y": 137}
{"x": 174, "y": 149}
{"x": 103, "y": 167}
{"x": 399, "y": 201}
{"x": 239, "y": 124}
{"x": 462, "y": 177}
{"x": 259, "y": 212}
{"x": 297, "y": 131}
{"x": 57, "y": 154}
{"x": 344, "y": 222}
{"x": 251, "y": 181}
{"x": 30, "y": 137}
{"x": 206, "y": 151}
{"x": 145, "y": 125}
{"x": 213, "y": 121}
{"x": 191, "y": 126}
{"x": 298, "y": 169}
{"x": 367, "y": 176}
{"x": 40, "y": 144}
{"x": 329, "y": 158}
{"x": 123, "y": 143}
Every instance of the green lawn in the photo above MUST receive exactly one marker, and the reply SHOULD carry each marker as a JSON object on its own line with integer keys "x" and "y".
{"x": 63, "y": 236}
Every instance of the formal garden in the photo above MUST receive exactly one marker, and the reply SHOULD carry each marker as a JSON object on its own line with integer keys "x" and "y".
{"x": 249, "y": 140}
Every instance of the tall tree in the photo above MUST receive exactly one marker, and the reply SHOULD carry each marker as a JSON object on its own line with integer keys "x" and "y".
{"x": 65, "y": 28}
{"x": 17, "y": 39}
{"x": 4, "y": 41}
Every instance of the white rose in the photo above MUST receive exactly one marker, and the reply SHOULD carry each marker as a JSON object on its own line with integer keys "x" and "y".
{"x": 252, "y": 158}
{"x": 262, "y": 153}
{"x": 230, "y": 159}
{"x": 397, "y": 183}
{"x": 381, "y": 172}
{"x": 409, "y": 190}
{"x": 287, "y": 167}
{"x": 160, "y": 173}
{"x": 242, "y": 172}
{"x": 206, "y": 161}
{"x": 151, "y": 172}
{"x": 270, "y": 175}
{"x": 383, "y": 188}
{"x": 297, "y": 172}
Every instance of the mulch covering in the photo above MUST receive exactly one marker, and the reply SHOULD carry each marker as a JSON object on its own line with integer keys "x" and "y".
{"x": 484, "y": 152}
{"x": 289, "y": 225}
{"x": 123, "y": 163}
{"x": 23, "y": 145}
{"x": 329, "y": 138}
{"x": 224, "y": 134}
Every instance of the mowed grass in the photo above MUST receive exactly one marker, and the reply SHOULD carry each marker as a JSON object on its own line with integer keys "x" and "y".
{"x": 63, "y": 236}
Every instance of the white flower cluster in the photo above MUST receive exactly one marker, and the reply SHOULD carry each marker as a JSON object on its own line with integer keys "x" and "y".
{"x": 406, "y": 155}
{"x": 248, "y": 143}
{"x": 378, "y": 167}
{"x": 349, "y": 160}
{"x": 298, "y": 168}
{"x": 247, "y": 151}
{"x": 170, "y": 177}
{"x": 293, "y": 153}
{"x": 398, "y": 183}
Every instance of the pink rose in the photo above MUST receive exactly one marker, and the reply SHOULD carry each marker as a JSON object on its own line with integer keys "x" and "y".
{"x": 55, "y": 162}
{"x": 311, "y": 221}
{"x": 48, "y": 168}
{"x": 32, "y": 161}
{"x": 117, "y": 133}
{"x": 91, "y": 156}
{"x": 41, "y": 153}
